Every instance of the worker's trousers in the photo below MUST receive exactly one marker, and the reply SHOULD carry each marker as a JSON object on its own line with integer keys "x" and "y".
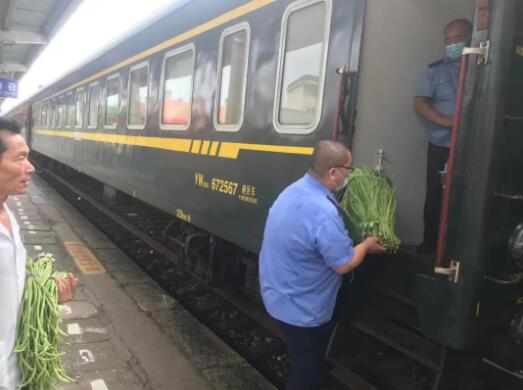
{"x": 307, "y": 348}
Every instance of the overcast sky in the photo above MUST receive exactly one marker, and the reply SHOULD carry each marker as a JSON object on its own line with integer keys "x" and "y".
{"x": 93, "y": 26}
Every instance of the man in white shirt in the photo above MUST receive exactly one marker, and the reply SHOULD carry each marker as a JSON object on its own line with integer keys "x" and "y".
{"x": 15, "y": 175}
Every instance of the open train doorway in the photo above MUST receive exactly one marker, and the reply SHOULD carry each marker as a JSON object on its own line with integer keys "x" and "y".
{"x": 401, "y": 325}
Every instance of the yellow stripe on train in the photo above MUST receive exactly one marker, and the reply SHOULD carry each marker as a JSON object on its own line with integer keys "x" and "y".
{"x": 229, "y": 150}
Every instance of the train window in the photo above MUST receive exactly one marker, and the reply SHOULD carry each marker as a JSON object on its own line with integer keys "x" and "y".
{"x": 301, "y": 75}
{"x": 54, "y": 122}
{"x": 94, "y": 96}
{"x": 112, "y": 101}
{"x": 36, "y": 115}
{"x": 138, "y": 90}
{"x": 49, "y": 107}
{"x": 43, "y": 115}
{"x": 80, "y": 107}
{"x": 177, "y": 85}
{"x": 71, "y": 110}
{"x": 61, "y": 113}
{"x": 232, "y": 77}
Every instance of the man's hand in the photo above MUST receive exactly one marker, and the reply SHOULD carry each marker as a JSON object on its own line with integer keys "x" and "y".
{"x": 373, "y": 246}
{"x": 66, "y": 287}
{"x": 369, "y": 245}
{"x": 424, "y": 107}
{"x": 447, "y": 121}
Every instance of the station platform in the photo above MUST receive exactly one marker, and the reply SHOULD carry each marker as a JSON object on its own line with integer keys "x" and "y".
{"x": 123, "y": 330}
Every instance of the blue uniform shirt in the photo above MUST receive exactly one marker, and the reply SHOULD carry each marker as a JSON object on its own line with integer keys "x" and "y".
{"x": 440, "y": 83}
{"x": 304, "y": 240}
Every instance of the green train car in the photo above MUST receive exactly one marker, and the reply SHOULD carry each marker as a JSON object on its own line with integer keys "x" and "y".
{"x": 211, "y": 109}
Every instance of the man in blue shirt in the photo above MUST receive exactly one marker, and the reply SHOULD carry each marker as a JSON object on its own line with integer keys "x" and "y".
{"x": 305, "y": 251}
{"x": 436, "y": 102}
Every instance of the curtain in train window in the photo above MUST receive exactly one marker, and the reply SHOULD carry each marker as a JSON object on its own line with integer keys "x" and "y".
{"x": 94, "y": 95}
{"x": 80, "y": 107}
{"x": 138, "y": 88}
{"x": 62, "y": 111}
{"x": 302, "y": 66}
{"x": 49, "y": 106}
{"x": 177, "y": 89}
{"x": 71, "y": 110}
{"x": 43, "y": 115}
{"x": 231, "y": 90}
{"x": 112, "y": 101}
{"x": 36, "y": 115}
{"x": 56, "y": 112}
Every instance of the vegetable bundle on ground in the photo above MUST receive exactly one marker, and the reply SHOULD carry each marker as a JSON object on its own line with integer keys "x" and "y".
{"x": 38, "y": 330}
{"x": 370, "y": 204}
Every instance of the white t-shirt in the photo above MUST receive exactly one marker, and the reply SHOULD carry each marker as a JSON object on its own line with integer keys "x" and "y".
{"x": 12, "y": 281}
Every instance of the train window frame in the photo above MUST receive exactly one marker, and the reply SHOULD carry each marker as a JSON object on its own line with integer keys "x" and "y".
{"x": 88, "y": 116}
{"x": 49, "y": 108}
{"x": 62, "y": 118}
{"x": 36, "y": 114}
{"x": 76, "y": 125}
{"x": 67, "y": 106}
{"x": 134, "y": 68}
{"x": 169, "y": 54}
{"x": 54, "y": 115}
{"x": 43, "y": 114}
{"x": 244, "y": 26}
{"x": 301, "y": 129}
{"x": 110, "y": 77}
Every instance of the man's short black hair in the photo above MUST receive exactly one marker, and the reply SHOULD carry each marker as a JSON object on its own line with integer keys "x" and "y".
{"x": 465, "y": 22}
{"x": 10, "y": 126}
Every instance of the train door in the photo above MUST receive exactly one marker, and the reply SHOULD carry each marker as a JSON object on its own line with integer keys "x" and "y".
{"x": 418, "y": 322}
{"x": 488, "y": 196}
{"x": 480, "y": 306}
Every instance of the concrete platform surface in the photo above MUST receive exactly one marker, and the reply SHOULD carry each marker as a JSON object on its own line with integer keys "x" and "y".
{"x": 123, "y": 330}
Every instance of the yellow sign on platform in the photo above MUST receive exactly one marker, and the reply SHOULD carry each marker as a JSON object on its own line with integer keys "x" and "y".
{"x": 84, "y": 258}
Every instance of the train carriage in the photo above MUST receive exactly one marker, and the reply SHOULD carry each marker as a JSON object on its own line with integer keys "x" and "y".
{"x": 211, "y": 109}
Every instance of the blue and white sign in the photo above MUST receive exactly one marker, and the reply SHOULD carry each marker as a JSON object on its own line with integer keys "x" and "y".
{"x": 8, "y": 88}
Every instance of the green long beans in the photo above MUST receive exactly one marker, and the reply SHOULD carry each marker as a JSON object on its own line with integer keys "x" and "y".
{"x": 370, "y": 204}
{"x": 38, "y": 329}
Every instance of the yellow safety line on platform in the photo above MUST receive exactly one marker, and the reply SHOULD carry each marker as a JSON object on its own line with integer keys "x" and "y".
{"x": 229, "y": 150}
{"x": 213, "y": 23}
{"x": 84, "y": 258}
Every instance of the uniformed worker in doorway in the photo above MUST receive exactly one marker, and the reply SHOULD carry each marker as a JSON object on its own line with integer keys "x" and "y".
{"x": 436, "y": 102}
{"x": 15, "y": 176}
{"x": 305, "y": 251}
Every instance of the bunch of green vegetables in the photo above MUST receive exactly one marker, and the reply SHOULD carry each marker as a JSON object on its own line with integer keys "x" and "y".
{"x": 38, "y": 330}
{"x": 370, "y": 204}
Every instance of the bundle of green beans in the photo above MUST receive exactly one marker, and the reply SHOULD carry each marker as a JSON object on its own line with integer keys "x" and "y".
{"x": 370, "y": 204}
{"x": 38, "y": 330}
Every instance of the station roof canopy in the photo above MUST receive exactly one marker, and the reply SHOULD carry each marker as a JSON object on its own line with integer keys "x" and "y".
{"x": 26, "y": 26}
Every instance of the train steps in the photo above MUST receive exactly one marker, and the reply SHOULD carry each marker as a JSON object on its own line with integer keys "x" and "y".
{"x": 379, "y": 338}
